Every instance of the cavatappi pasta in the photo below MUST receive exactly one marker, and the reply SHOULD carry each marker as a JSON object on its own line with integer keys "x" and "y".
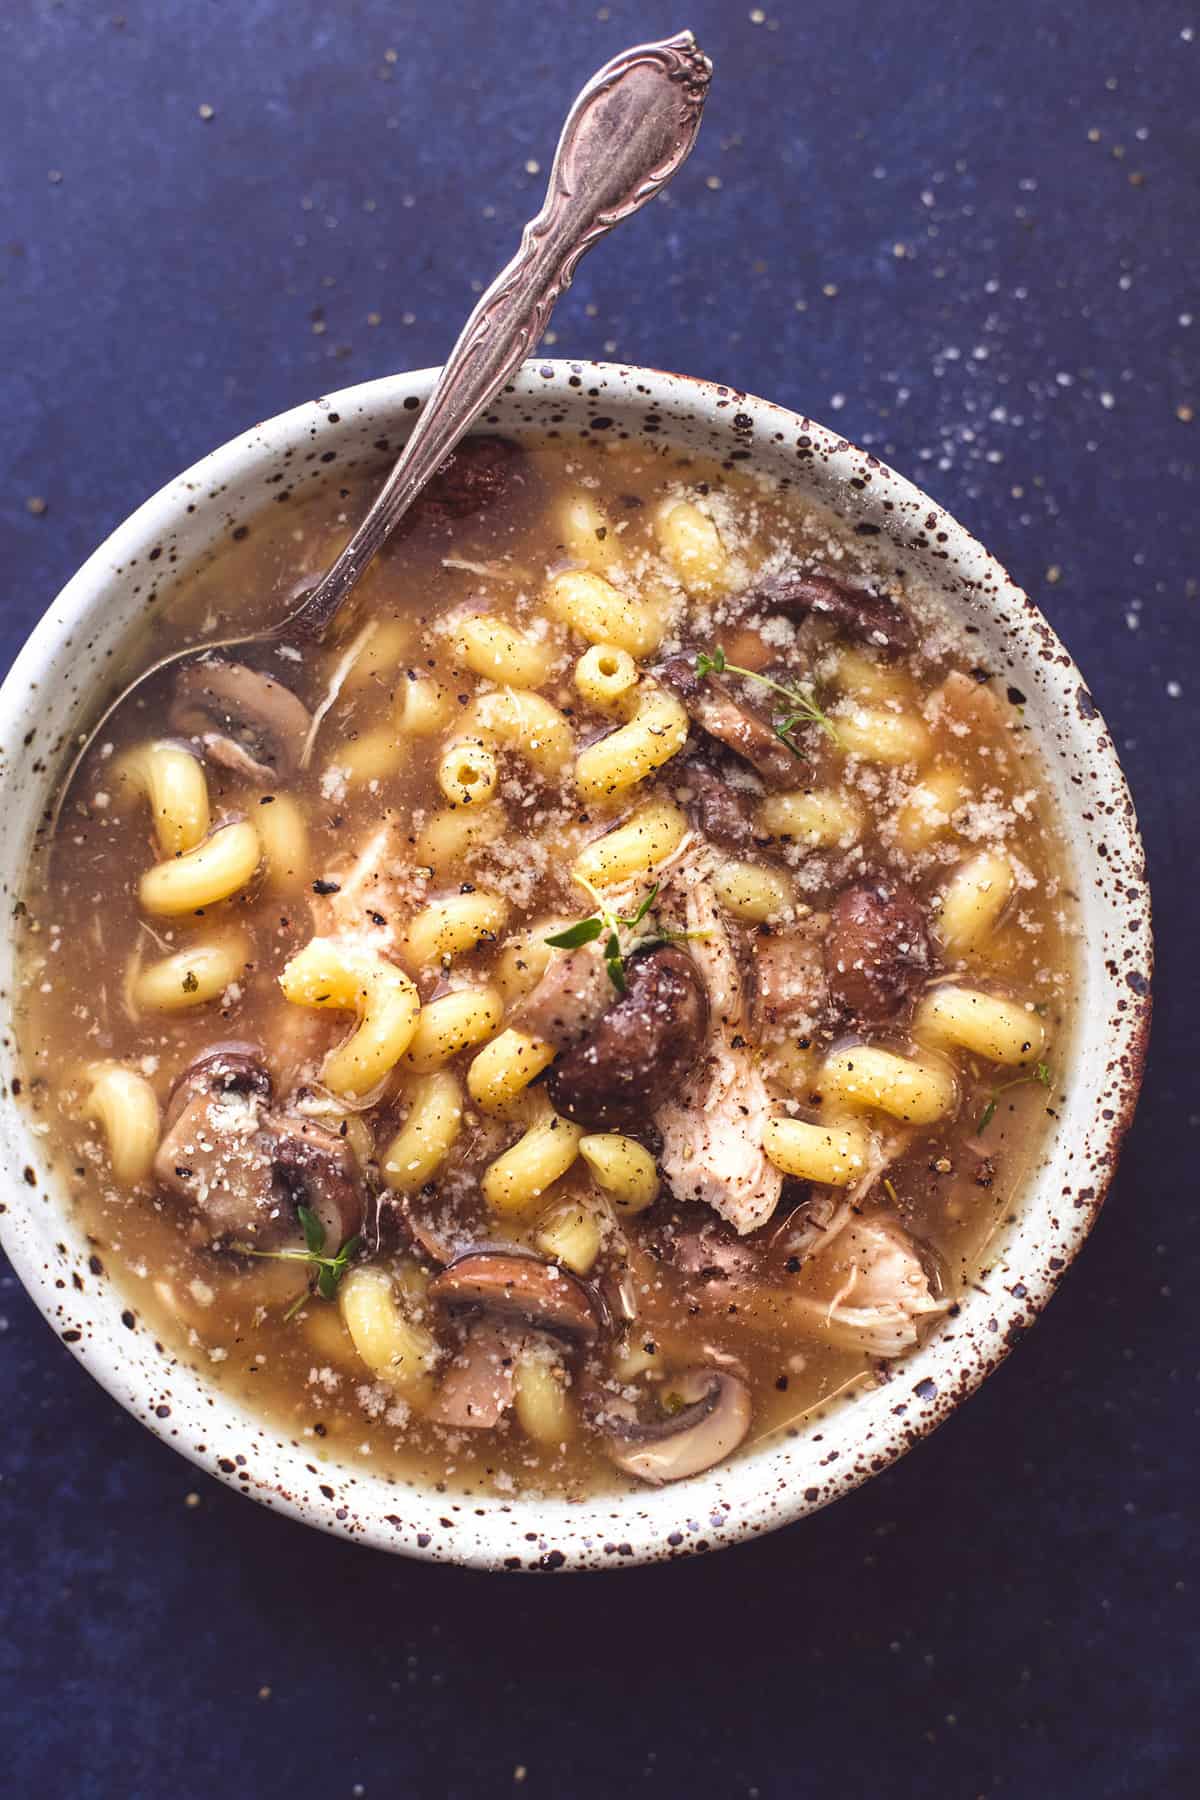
{"x": 644, "y": 1050}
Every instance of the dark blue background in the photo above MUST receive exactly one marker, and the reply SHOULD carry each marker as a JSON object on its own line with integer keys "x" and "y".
{"x": 964, "y": 232}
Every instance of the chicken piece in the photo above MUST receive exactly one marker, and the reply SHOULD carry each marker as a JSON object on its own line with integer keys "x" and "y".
{"x": 883, "y": 1289}
{"x": 712, "y": 1131}
{"x": 968, "y": 707}
{"x": 719, "y": 1270}
{"x": 364, "y": 901}
{"x": 300, "y": 1038}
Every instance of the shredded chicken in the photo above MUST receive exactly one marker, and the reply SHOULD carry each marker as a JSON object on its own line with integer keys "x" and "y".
{"x": 884, "y": 1294}
{"x": 300, "y": 1038}
{"x": 712, "y": 1133}
{"x": 365, "y": 903}
{"x": 689, "y": 856}
{"x": 813, "y": 1224}
{"x": 336, "y": 682}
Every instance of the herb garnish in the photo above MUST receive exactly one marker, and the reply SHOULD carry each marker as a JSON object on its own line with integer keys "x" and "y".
{"x": 610, "y": 926}
{"x": 804, "y": 709}
{"x": 330, "y": 1269}
{"x": 1041, "y": 1075}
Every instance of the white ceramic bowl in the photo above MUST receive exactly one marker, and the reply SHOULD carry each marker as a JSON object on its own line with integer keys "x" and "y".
{"x": 62, "y": 674}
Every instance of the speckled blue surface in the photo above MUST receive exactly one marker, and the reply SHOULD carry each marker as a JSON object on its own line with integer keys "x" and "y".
{"x": 967, "y": 234}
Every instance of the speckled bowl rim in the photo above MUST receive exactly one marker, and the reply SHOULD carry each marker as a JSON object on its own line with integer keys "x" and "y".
{"x": 48, "y": 694}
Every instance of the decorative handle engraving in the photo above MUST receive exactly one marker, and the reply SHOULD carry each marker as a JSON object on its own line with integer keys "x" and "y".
{"x": 630, "y": 129}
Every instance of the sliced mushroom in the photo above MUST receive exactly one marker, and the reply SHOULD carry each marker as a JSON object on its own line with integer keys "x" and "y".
{"x": 708, "y": 1425}
{"x": 719, "y": 810}
{"x": 479, "y": 1386}
{"x": 711, "y": 705}
{"x": 791, "y": 994}
{"x": 317, "y": 1169}
{"x": 873, "y": 619}
{"x": 472, "y": 477}
{"x": 246, "y": 721}
{"x": 512, "y": 1285}
{"x": 214, "y": 1158}
{"x": 639, "y": 1050}
{"x": 877, "y": 949}
{"x": 242, "y": 1170}
{"x": 232, "y": 1066}
{"x": 568, "y": 1000}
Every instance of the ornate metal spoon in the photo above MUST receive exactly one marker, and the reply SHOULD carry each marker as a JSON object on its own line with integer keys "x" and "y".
{"x": 628, "y": 132}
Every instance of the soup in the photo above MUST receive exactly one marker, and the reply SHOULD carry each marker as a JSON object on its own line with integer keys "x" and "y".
{"x": 584, "y": 1018}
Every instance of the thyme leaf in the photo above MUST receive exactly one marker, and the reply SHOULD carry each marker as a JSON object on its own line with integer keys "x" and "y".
{"x": 645, "y": 906}
{"x": 314, "y": 1231}
{"x": 615, "y": 964}
{"x": 804, "y": 708}
{"x": 585, "y": 931}
{"x": 615, "y": 929}
{"x": 1041, "y": 1074}
{"x": 329, "y": 1269}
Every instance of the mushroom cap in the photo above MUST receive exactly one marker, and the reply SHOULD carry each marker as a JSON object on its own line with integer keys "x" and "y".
{"x": 232, "y": 1065}
{"x": 719, "y": 809}
{"x": 855, "y": 612}
{"x": 877, "y": 949}
{"x": 707, "y": 1428}
{"x": 641, "y": 1047}
{"x": 248, "y": 721}
{"x": 473, "y": 476}
{"x": 568, "y": 1000}
{"x": 282, "y": 1151}
{"x": 512, "y": 1284}
{"x": 480, "y": 1384}
{"x": 711, "y": 705}
{"x": 318, "y": 1169}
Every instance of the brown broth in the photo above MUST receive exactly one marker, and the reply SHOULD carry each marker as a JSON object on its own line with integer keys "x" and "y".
{"x": 950, "y": 1187}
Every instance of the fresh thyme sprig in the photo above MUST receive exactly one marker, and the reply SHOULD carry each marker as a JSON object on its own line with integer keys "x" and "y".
{"x": 805, "y": 710}
{"x": 611, "y": 925}
{"x": 330, "y": 1269}
{"x": 1041, "y": 1074}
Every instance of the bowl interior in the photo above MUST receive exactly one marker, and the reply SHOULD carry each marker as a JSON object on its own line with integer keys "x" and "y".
{"x": 64, "y": 673}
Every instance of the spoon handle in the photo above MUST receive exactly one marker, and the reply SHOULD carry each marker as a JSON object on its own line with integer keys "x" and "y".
{"x": 630, "y": 129}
